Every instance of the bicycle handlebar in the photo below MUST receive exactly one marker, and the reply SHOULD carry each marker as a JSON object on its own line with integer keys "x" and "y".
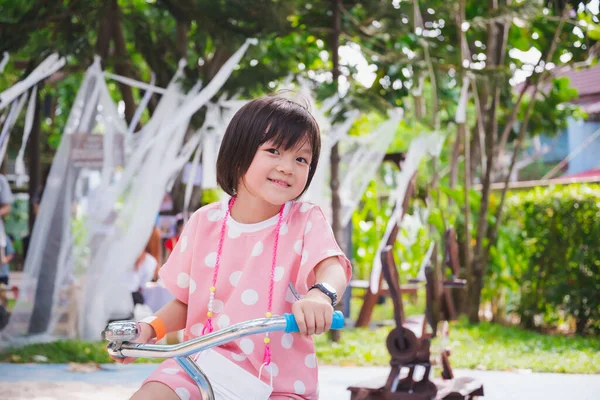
{"x": 119, "y": 333}
{"x": 292, "y": 327}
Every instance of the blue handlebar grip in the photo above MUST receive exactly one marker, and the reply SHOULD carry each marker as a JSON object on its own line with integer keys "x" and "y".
{"x": 292, "y": 326}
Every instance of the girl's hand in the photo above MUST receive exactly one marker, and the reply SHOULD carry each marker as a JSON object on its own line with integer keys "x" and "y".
{"x": 313, "y": 313}
{"x": 146, "y": 336}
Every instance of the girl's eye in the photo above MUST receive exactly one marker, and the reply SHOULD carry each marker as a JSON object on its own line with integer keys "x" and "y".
{"x": 273, "y": 151}
{"x": 302, "y": 160}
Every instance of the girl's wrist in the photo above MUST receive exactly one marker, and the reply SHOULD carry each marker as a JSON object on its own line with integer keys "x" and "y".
{"x": 318, "y": 295}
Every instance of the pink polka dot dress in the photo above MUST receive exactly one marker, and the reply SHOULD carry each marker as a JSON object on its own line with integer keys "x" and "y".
{"x": 242, "y": 290}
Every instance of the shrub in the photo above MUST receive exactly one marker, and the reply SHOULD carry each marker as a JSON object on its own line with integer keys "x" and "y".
{"x": 556, "y": 235}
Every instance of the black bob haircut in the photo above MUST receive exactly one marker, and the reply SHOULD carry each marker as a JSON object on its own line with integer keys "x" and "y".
{"x": 287, "y": 123}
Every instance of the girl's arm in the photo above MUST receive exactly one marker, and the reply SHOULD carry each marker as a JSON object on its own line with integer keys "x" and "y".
{"x": 314, "y": 312}
{"x": 173, "y": 315}
{"x": 331, "y": 271}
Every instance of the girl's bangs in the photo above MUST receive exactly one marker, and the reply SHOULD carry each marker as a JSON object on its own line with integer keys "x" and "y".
{"x": 291, "y": 134}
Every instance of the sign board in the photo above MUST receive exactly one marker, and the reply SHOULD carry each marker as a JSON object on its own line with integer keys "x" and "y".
{"x": 87, "y": 150}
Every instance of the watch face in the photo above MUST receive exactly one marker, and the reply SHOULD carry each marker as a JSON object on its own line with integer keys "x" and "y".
{"x": 328, "y": 287}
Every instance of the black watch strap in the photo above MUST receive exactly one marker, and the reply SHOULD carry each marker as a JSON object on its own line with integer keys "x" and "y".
{"x": 326, "y": 290}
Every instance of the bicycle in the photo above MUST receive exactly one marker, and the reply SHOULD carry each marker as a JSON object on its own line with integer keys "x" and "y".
{"x": 120, "y": 333}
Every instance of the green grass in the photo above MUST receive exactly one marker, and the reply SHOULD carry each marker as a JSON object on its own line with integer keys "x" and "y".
{"x": 484, "y": 346}
{"x": 497, "y": 347}
{"x": 63, "y": 351}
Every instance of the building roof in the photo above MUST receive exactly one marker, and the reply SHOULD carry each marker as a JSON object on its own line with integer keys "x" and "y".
{"x": 587, "y": 83}
{"x": 590, "y": 173}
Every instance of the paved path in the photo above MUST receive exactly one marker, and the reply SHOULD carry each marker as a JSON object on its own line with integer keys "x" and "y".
{"x": 56, "y": 381}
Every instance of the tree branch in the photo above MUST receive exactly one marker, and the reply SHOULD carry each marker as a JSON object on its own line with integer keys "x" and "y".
{"x": 523, "y": 130}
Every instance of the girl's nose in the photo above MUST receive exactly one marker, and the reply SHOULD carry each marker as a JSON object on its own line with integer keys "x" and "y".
{"x": 284, "y": 166}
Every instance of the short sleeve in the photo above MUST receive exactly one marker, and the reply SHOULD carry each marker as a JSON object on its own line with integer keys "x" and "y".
{"x": 176, "y": 272}
{"x": 318, "y": 244}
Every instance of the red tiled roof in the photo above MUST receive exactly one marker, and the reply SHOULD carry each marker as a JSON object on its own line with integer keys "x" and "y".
{"x": 590, "y": 173}
{"x": 586, "y": 81}
{"x": 589, "y": 104}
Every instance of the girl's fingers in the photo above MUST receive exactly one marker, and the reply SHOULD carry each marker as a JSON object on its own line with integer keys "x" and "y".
{"x": 300, "y": 318}
{"x": 319, "y": 322}
{"x": 309, "y": 317}
{"x": 328, "y": 321}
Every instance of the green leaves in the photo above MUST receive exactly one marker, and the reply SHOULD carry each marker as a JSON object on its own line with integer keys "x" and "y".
{"x": 591, "y": 28}
{"x": 556, "y": 253}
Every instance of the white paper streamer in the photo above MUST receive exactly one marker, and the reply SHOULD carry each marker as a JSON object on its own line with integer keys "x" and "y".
{"x": 19, "y": 164}
{"x": 5, "y": 58}
{"x": 47, "y": 67}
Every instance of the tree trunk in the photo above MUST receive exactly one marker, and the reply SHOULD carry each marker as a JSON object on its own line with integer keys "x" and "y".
{"x": 33, "y": 150}
{"x": 482, "y": 253}
{"x": 336, "y": 203}
{"x": 123, "y": 63}
{"x": 455, "y": 154}
{"x": 497, "y": 39}
{"x": 183, "y": 27}
{"x": 102, "y": 47}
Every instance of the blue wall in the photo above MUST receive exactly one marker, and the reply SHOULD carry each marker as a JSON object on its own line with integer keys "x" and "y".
{"x": 561, "y": 147}
{"x": 589, "y": 158}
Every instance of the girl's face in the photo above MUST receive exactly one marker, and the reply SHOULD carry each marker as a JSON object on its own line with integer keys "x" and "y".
{"x": 277, "y": 175}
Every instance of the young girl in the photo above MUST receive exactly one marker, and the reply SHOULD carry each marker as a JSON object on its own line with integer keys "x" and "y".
{"x": 236, "y": 260}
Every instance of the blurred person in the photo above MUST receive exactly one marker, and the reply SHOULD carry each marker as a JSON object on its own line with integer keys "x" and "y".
{"x": 6, "y": 256}
{"x": 172, "y": 241}
{"x": 154, "y": 248}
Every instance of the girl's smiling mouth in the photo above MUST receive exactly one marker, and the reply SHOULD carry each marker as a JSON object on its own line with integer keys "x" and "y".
{"x": 279, "y": 183}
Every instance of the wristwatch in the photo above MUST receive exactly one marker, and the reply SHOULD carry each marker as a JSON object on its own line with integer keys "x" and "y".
{"x": 327, "y": 289}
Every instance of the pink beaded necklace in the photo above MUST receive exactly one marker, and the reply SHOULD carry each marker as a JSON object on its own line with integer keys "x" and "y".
{"x": 208, "y": 328}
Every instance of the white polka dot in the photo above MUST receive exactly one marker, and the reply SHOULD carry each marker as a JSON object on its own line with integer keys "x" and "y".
{"x": 182, "y": 244}
{"x": 192, "y": 286}
{"x": 284, "y": 229}
{"x": 249, "y": 297}
{"x": 278, "y": 274}
{"x": 184, "y": 394}
{"x": 223, "y": 321}
{"x": 170, "y": 371}
{"x": 196, "y": 329}
{"x": 287, "y": 340}
{"x": 238, "y": 357}
{"x": 311, "y": 361}
{"x": 304, "y": 257}
{"x": 247, "y": 346}
{"x": 272, "y": 369}
{"x": 183, "y": 280}
{"x": 305, "y": 207}
{"x": 214, "y": 215}
{"x": 289, "y": 296}
{"x": 210, "y": 260}
{"x": 332, "y": 253}
{"x": 298, "y": 247}
{"x": 218, "y": 306}
{"x": 299, "y": 387}
{"x": 233, "y": 232}
{"x": 308, "y": 227}
{"x": 234, "y": 278}
{"x": 257, "y": 249}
